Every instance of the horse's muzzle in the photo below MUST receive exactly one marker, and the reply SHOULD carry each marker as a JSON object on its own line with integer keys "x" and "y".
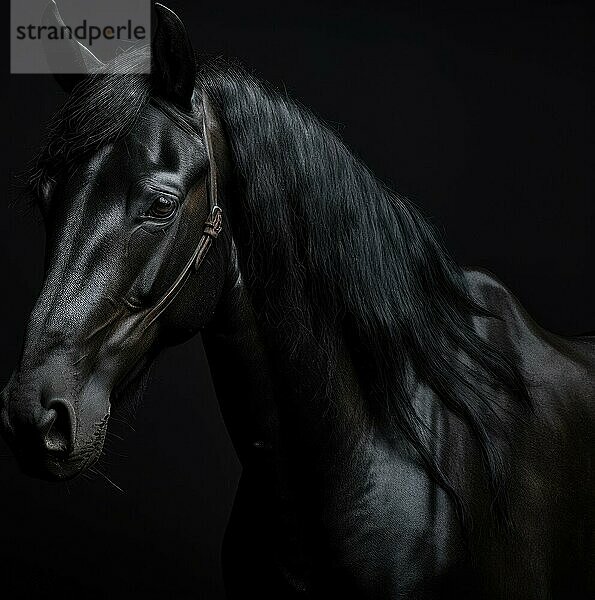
{"x": 43, "y": 435}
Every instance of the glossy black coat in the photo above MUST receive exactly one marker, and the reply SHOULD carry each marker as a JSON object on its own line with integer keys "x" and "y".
{"x": 322, "y": 510}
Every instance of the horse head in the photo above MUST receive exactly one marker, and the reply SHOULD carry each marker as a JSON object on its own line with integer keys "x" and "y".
{"x": 128, "y": 189}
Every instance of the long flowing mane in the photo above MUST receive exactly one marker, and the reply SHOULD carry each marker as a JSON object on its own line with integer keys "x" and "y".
{"x": 353, "y": 261}
{"x": 331, "y": 247}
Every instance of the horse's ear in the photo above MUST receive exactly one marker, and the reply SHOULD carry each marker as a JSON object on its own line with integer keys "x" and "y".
{"x": 174, "y": 63}
{"x": 68, "y": 59}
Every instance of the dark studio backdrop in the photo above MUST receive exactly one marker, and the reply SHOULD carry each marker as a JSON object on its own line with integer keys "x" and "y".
{"x": 481, "y": 114}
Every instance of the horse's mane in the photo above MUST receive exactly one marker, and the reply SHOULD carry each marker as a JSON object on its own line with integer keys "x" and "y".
{"x": 334, "y": 251}
{"x": 344, "y": 258}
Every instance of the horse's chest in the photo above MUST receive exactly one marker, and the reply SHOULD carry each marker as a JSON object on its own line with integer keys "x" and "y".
{"x": 390, "y": 528}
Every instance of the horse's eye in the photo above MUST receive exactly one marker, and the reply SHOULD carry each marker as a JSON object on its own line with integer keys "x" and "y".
{"x": 162, "y": 208}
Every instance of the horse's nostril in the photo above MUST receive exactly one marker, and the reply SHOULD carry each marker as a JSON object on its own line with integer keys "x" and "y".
{"x": 58, "y": 426}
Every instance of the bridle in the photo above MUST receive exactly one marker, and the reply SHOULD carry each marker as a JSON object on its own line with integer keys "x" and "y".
{"x": 211, "y": 229}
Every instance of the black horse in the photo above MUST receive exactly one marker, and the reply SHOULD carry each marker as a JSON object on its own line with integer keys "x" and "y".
{"x": 405, "y": 429}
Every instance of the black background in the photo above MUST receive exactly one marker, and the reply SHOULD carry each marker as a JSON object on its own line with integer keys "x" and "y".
{"x": 483, "y": 116}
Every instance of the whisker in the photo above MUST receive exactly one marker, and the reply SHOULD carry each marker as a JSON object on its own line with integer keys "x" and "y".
{"x": 123, "y": 421}
{"x": 95, "y": 470}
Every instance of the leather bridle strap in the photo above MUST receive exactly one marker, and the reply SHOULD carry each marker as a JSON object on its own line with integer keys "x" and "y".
{"x": 211, "y": 230}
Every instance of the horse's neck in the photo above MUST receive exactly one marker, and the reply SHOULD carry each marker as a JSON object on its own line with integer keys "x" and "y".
{"x": 240, "y": 369}
{"x": 304, "y": 436}
{"x": 259, "y": 384}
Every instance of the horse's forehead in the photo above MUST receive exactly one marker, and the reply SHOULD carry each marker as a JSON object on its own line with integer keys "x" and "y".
{"x": 157, "y": 139}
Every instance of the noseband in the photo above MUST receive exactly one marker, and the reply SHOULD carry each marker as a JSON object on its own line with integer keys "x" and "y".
{"x": 211, "y": 230}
